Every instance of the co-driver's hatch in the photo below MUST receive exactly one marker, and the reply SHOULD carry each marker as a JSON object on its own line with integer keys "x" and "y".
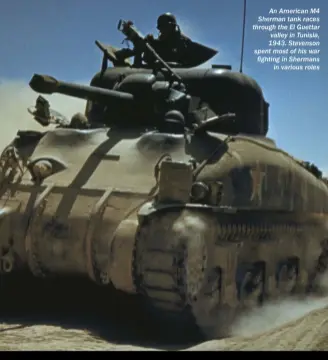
{"x": 44, "y": 115}
{"x": 109, "y": 53}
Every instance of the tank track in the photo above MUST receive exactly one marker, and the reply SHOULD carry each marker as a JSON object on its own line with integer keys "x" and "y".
{"x": 198, "y": 277}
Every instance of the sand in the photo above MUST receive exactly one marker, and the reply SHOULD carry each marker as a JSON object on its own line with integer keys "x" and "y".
{"x": 308, "y": 332}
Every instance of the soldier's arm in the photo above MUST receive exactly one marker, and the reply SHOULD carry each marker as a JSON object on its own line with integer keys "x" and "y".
{"x": 123, "y": 54}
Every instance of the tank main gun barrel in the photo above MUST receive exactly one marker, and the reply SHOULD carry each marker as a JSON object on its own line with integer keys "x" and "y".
{"x": 46, "y": 84}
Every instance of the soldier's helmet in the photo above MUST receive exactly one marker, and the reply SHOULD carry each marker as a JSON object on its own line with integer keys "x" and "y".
{"x": 78, "y": 121}
{"x": 166, "y": 19}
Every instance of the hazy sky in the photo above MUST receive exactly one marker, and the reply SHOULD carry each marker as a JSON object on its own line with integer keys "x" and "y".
{"x": 57, "y": 37}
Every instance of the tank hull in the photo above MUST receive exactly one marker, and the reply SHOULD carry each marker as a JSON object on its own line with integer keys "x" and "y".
{"x": 102, "y": 214}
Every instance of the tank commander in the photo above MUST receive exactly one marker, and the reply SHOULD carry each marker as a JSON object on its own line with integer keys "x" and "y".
{"x": 171, "y": 44}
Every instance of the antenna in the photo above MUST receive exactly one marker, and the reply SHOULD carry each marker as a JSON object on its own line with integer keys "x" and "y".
{"x": 243, "y": 39}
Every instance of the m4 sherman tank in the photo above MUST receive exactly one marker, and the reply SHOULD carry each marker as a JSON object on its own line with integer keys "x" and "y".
{"x": 166, "y": 187}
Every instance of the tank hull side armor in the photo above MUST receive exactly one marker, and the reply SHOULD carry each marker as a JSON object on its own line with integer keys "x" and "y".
{"x": 104, "y": 214}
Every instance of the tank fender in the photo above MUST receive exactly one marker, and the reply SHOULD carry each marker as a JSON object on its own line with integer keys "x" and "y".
{"x": 151, "y": 208}
{"x": 121, "y": 255}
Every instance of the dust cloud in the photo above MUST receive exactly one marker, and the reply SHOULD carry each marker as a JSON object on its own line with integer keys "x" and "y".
{"x": 16, "y": 96}
{"x": 280, "y": 312}
{"x": 190, "y": 226}
{"x": 275, "y": 314}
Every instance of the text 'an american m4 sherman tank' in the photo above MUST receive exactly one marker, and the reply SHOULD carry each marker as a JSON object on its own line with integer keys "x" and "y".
{"x": 168, "y": 188}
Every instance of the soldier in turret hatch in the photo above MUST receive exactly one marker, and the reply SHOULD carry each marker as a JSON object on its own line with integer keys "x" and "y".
{"x": 171, "y": 45}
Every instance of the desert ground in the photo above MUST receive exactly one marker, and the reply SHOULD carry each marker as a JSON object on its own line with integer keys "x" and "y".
{"x": 286, "y": 325}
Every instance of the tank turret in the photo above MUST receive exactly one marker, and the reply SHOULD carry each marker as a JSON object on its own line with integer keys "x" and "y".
{"x": 146, "y": 95}
{"x": 138, "y": 99}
